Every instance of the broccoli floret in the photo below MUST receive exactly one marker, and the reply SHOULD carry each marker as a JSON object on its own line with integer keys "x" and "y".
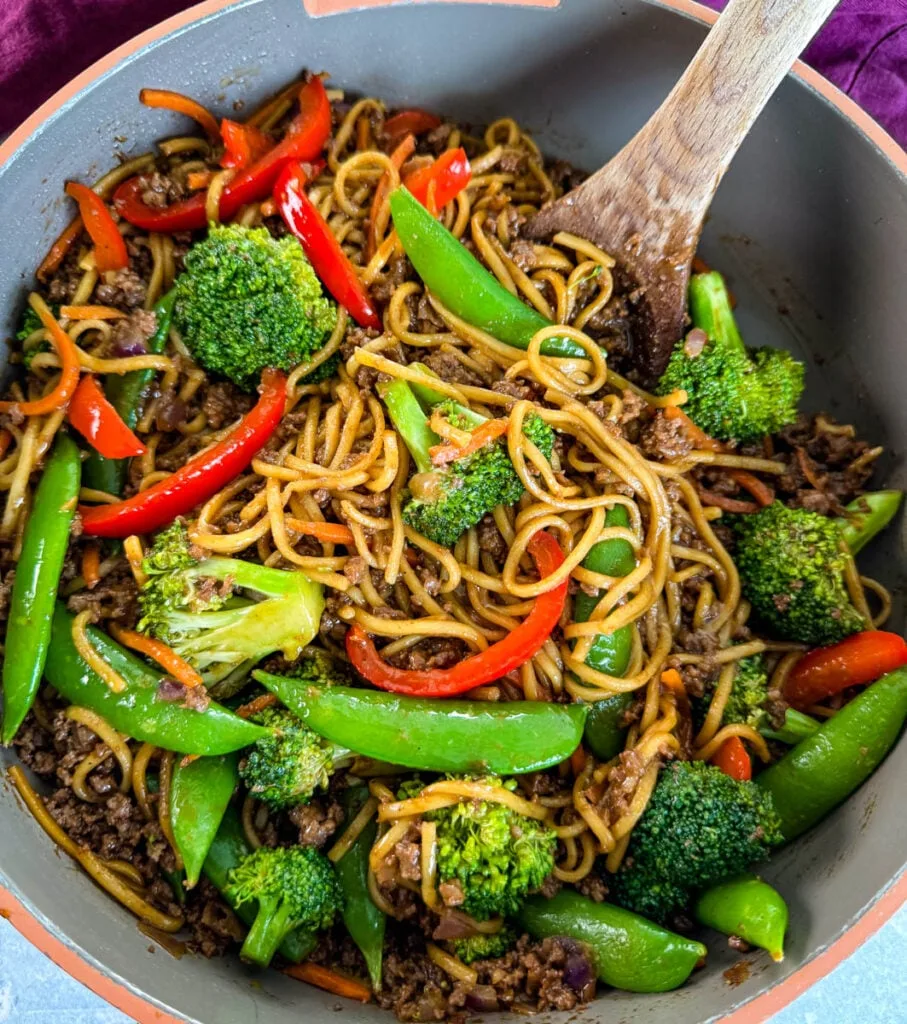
{"x": 734, "y": 393}
{"x": 248, "y": 301}
{"x": 30, "y": 323}
{"x": 484, "y": 947}
{"x": 497, "y": 856}
{"x": 443, "y": 502}
{"x": 294, "y": 887}
{"x": 792, "y": 564}
{"x": 318, "y": 667}
{"x": 190, "y": 603}
{"x": 749, "y": 695}
{"x": 286, "y": 768}
{"x": 700, "y": 826}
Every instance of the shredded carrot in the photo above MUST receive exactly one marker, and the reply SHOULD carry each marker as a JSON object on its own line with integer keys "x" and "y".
{"x": 57, "y": 252}
{"x": 59, "y": 397}
{"x": 672, "y": 678}
{"x": 265, "y": 700}
{"x": 199, "y": 179}
{"x": 699, "y": 266}
{"x": 808, "y": 470}
{"x": 698, "y": 436}
{"x": 578, "y": 760}
{"x": 724, "y": 502}
{"x": 91, "y": 566}
{"x": 268, "y": 208}
{"x": 6, "y": 439}
{"x": 402, "y": 152}
{"x": 328, "y": 533}
{"x": 158, "y": 651}
{"x": 330, "y": 981}
{"x": 763, "y": 494}
{"x": 91, "y": 313}
{"x": 482, "y": 435}
{"x": 176, "y": 101}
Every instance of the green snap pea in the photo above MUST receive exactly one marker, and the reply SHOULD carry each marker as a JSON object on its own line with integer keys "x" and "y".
{"x": 228, "y": 849}
{"x": 199, "y": 794}
{"x": 747, "y": 907}
{"x": 363, "y": 920}
{"x": 823, "y": 770}
{"x": 466, "y": 288}
{"x": 436, "y": 735}
{"x": 126, "y": 393}
{"x": 630, "y": 952}
{"x": 867, "y": 516}
{"x": 137, "y": 711}
{"x": 605, "y": 728}
{"x": 796, "y": 727}
{"x": 44, "y": 545}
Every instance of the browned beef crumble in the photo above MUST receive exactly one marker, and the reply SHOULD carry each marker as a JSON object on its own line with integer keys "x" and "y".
{"x": 316, "y": 821}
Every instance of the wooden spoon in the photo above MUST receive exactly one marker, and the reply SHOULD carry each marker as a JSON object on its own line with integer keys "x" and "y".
{"x": 646, "y": 206}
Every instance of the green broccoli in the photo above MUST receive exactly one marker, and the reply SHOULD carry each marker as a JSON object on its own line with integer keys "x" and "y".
{"x": 248, "y": 301}
{"x": 792, "y": 564}
{"x": 484, "y": 947}
{"x": 294, "y": 887}
{"x": 286, "y": 768}
{"x": 189, "y": 602}
{"x": 317, "y": 666}
{"x": 443, "y": 502}
{"x": 734, "y": 393}
{"x": 497, "y": 856}
{"x": 700, "y": 826}
{"x": 30, "y": 323}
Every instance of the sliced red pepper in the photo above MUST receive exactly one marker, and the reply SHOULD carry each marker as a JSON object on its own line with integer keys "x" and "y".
{"x": 506, "y": 655}
{"x": 100, "y": 424}
{"x": 200, "y": 478}
{"x": 304, "y": 141}
{"x": 330, "y": 262}
{"x": 734, "y": 760}
{"x": 415, "y": 122}
{"x": 243, "y": 144}
{"x": 109, "y": 248}
{"x": 450, "y": 173}
{"x": 855, "y": 661}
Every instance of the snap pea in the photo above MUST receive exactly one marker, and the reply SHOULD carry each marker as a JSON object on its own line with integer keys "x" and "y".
{"x": 363, "y": 920}
{"x": 465, "y": 287}
{"x": 137, "y": 711}
{"x": 436, "y": 735}
{"x": 199, "y": 794}
{"x": 227, "y": 850}
{"x": 44, "y": 545}
{"x": 868, "y": 515}
{"x": 605, "y": 729}
{"x": 630, "y": 952}
{"x": 126, "y": 392}
{"x": 748, "y": 907}
{"x": 796, "y": 727}
{"x": 824, "y": 769}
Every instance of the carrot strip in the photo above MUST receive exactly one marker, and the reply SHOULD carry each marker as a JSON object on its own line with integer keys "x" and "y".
{"x": 158, "y": 651}
{"x": 268, "y": 208}
{"x": 265, "y": 700}
{"x": 69, "y": 367}
{"x": 808, "y": 471}
{"x": 91, "y": 566}
{"x": 330, "y": 981}
{"x": 698, "y": 436}
{"x": 724, "y": 502}
{"x": 57, "y": 252}
{"x": 482, "y": 435}
{"x": 164, "y": 99}
{"x": 328, "y": 533}
{"x": 763, "y": 494}
{"x": 402, "y": 152}
{"x": 199, "y": 179}
{"x": 578, "y": 760}
{"x": 91, "y": 313}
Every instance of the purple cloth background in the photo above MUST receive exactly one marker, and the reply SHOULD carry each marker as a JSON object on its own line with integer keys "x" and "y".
{"x": 43, "y": 43}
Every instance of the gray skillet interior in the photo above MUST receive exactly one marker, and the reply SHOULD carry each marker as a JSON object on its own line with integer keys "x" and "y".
{"x": 810, "y": 225}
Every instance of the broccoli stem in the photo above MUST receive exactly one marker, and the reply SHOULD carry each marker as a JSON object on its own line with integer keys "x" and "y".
{"x": 710, "y": 310}
{"x": 249, "y": 575}
{"x": 796, "y": 727}
{"x": 428, "y": 396}
{"x": 272, "y": 924}
{"x": 410, "y": 421}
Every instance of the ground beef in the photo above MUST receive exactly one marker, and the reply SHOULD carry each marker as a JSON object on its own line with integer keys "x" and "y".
{"x": 398, "y": 270}
{"x": 664, "y": 439}
{"x": 564, "y": 175}
{"x": 159, "y": 190}
{"x": 622, "y": 783}
{"x": 519, "y": 389}
{"x": 433, "y": 652}
{"x": 426, "y": 319}
{"x": 115, "y": 597}
{"x": 62, "y": 286}
{"x": 214, "y": 926}
{"x": 126, "y": 290}
{"x": 490, "y": 539}
{"x": 130, "y": 335}
{"x": 317, "y": 821}
{"x": 224, "y": 403}
{"x": 449, "y": 368}
{"x": 593, "y": 887}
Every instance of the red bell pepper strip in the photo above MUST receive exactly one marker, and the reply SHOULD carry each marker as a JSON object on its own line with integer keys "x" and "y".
{"x": 99, "y": 423}
{"x": 506, "y": 655}
{"x": 304, "y": 141}
{"x": 109, "y": 248}
{"x": 859, "y": 659}
{"x": 330, "y": 262}
{"x": 243, "y": 144}
{"x": 411, "y": 122}
{"x": 450, "y": 173}
{"x": 732, "y": 758}
{"x": 200, "y": 478}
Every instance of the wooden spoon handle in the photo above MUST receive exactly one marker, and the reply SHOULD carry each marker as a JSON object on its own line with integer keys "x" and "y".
{"x": 712, "y": 107}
